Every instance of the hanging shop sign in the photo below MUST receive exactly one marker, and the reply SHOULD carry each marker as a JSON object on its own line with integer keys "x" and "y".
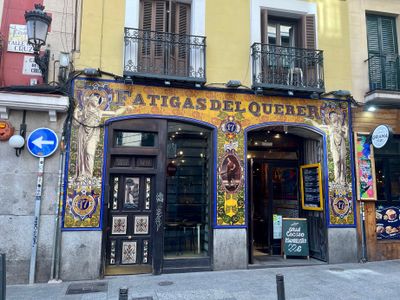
{"x": 311, "y": 187}
{"x": 365, "y": 167}
{"x": 388, "y": 222}
{"x": 380, "y": 136}
{"x": 231, "y": 115}
{"x": 295, "y": 237}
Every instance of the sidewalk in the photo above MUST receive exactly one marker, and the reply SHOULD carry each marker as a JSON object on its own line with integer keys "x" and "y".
{"x": 374, "y": 280}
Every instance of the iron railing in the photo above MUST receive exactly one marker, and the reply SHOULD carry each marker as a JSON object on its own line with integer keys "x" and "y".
{"x": 163, "y": 55}
{"x": 384, "y": 72}
{"x": 287, "y": 68}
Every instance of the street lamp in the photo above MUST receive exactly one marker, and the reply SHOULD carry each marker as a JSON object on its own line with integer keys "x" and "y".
{"x": 37, "y": 23}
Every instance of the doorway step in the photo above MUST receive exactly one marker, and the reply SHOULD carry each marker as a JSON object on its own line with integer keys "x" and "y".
{"x": 267, "y": 261}
{"x": 187, "y": 265}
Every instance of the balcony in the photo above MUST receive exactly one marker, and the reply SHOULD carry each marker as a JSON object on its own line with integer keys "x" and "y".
{"x": 384, "y": 72}
{"x": 384, "y": 79}
{"x": 287, "y": 68}
{"x": 164, "y": 56}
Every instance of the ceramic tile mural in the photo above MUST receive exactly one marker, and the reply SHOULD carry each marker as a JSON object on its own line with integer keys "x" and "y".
{"x": 230, "y": 113}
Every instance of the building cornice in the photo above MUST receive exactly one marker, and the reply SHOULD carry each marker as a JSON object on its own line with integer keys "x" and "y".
{"x": 34, "y": 102}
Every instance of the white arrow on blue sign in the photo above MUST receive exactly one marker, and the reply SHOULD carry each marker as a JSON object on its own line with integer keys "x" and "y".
{"x": 42, "y": 142}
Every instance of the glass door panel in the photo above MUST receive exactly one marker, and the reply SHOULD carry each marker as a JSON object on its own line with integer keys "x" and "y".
{"x": 188, "y": 191}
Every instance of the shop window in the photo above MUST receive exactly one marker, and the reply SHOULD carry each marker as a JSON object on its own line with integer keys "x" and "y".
{"x": 387, "y": 166}
{"x": 189, "y": 166}
{"x": 134, "y": 139}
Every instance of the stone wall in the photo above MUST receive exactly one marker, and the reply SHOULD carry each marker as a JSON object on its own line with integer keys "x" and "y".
{"x": 17, "y": 202}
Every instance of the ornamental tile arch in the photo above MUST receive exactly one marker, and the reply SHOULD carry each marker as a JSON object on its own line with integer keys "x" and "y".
{"x": 97, "y": 101}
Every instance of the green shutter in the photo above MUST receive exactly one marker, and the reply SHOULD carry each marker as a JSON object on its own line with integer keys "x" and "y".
{"x": 382, "y": 52}
{"x": 372, "y": 34}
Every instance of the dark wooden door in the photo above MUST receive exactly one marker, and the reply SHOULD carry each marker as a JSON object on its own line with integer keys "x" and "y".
{"x": 136, "y": 176}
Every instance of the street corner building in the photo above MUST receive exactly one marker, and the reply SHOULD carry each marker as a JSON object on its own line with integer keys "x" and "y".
{"x": 159, "y": 178}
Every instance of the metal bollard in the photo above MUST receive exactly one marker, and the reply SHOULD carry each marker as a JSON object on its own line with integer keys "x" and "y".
{"x": 123, "y": 294}
{"x": 280, "y": 286}
{"x": 2, "y": 276}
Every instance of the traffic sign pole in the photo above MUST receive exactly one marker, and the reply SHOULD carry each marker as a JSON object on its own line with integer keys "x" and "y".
{"x": 42, "y": 142}
{"x": 38, "y": 199}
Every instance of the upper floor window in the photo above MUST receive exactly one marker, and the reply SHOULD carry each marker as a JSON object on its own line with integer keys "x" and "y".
{"x": 165, "y": 16}
{"x": 383, "y": 57}
{"x": 163, "y": 48}
{"x": 296, "y": 32}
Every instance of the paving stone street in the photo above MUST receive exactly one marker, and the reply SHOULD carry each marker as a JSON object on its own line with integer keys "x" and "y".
{"x": 373, "y": 280}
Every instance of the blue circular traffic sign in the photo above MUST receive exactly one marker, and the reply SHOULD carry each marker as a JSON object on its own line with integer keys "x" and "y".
{"x": 42, "y": 142}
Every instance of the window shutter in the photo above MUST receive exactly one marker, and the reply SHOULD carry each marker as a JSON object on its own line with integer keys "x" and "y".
{"x": 382, "y": 52}
{"x": 183, "y": 12}
{"x": 309, "y": 32}
{"x": 146, "y": 15}
{"x": 372, "y": 34}
{"x": 264, "y": 26}
{"x": 388, "y": 36}
{"x": 164, "y": 16}
{"x": 160, "y": 16}
{"x": 153, "y": 15}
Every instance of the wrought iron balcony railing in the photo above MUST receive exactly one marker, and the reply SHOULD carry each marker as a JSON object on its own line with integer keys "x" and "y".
{"x": 287, "y": 68}
{"x": 384, "y": 72}
{"x": 163, "y": 55}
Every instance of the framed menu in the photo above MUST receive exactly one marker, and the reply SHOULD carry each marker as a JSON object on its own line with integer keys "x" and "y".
{"x": 311, "y": 187}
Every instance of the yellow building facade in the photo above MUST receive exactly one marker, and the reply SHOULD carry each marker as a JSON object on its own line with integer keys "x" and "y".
{"x": 204, "y": 130}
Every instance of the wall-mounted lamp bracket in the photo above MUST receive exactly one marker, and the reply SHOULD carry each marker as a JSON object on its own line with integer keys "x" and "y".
{"x": 43, "y": 63}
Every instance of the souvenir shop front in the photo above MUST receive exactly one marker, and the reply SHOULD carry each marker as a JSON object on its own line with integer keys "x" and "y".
{"x": 162, "y": 179}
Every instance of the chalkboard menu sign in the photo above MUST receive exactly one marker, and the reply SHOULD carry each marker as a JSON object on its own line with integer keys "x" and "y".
{"x": 311, "y": 187}
{"x": 295, "y": 237}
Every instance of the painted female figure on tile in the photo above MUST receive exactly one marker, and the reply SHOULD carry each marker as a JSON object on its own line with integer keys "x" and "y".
{"x": 338, "y": 137}
{"x": 88, "y": 119}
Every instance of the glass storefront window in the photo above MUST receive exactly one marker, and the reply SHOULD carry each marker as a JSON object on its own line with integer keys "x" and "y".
{"x": 387, "y": 169}
{"x": 134, "y": 139}
{"x": 187, "y": 217}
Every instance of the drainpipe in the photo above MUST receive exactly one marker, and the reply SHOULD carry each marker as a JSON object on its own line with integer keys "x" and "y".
{"x": 55, "y": 259}
{"x": 364, "y": 257}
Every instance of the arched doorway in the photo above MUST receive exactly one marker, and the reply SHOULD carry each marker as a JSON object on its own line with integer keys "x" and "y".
{"x": 158, "y": 196}
{"x": 275, "y": 153}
